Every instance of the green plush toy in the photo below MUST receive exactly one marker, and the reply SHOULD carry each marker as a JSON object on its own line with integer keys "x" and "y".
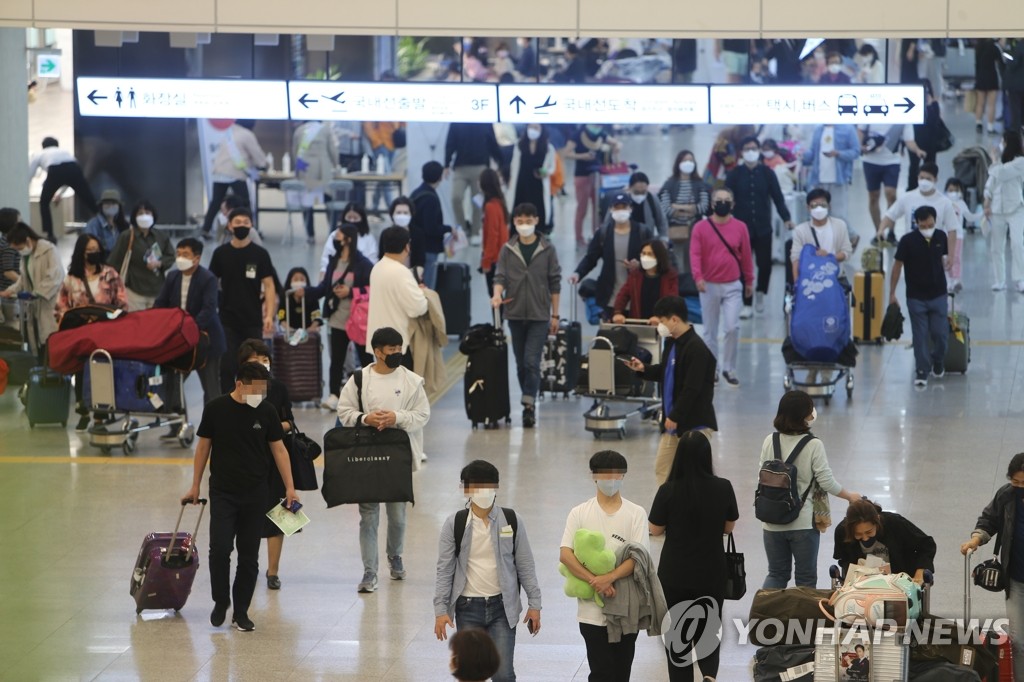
{"x": 588, "y": 547}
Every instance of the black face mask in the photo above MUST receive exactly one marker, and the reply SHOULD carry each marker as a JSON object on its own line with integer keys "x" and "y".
{"x": 241, "y": 233}
{"x": 94, "y": 258}
{"x": 869, "y": 542}
{"x": 393, "y": 361}
{"x": 339, "y": 246}
{"x": 722, "y": 208}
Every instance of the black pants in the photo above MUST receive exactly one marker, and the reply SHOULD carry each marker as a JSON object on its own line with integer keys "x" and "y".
{"x": 229, "y": 361}
{"x": 709, "y": 664}
{"x": 240, "y": 188}
{"x": 63, "y": 175}
{"x": 1016, "y": 101}
{"x": 236, "y": 520}
{"x": 761, "y": 245}
{"x": 915, "y": 168}
{"x": 339, "y": 353}
{"x": 608, "y": 662}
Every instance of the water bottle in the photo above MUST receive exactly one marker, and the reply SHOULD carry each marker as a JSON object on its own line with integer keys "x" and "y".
{"x": 270, "y": 161}
{"x": 380, "y": 164}
{"x": 364, "y": 166}
{"x": 286, "y": 163}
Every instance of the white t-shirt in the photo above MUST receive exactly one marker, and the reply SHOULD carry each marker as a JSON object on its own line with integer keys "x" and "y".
{"x": 186, "y": 281}
{"x": 909, "y": 202}
{"x": 482, "y": 565}
{"x": 827, "y": 164}
{"x": 882, "y": 155}
{"x": 628, "y": 524}
{"x": 94, "y": 286}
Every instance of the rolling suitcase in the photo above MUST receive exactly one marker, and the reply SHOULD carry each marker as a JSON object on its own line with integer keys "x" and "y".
{"x": 453, "y": 281}
{"x": 862, "y": 654}
{"x": 958, "y": 349}
{"x": 47, "y": 397}
{"x": 486, "y": 381}
{"x": 868, "y": 306}
{"x": 166, "y": 567}
{"x": 137, "y": 386}
{"x": 560, "y": 366}
{"x": 299, "y": 364}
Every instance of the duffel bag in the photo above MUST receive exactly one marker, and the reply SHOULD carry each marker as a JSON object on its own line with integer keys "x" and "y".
{"x": 781, "y": 606}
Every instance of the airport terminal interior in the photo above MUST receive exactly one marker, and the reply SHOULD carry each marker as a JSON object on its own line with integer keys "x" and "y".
{"x": 71, "y": 517}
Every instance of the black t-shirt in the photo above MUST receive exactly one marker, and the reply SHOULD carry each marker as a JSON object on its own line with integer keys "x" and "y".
{"x": 693, "y": 558}
{"x": 240, "y": 458}
{"x": 581, "y": 139}
{"x": 922, "y": 264}
{"x": 650, "y": 292}
{"x": 241, "y": 272}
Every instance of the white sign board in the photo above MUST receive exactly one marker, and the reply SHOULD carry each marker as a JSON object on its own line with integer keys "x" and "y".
{"x": 426, "y": 102}
{"x": 542, "y": 103}
{"x": 817, "y": 104}
{"x": 182, "y": 98}
{"x": 47, "y": 65}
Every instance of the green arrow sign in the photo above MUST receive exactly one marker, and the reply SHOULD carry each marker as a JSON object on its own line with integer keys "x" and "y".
{"x": 47, "y": 66}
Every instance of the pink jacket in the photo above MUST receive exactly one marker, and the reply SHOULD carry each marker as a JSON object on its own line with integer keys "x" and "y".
{"x": 711, "y": 261}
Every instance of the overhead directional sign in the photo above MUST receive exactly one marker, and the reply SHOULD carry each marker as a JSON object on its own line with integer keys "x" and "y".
{"x": 817, "y": 104}
{"x": 543, "y": 103}
{"x": 346, "y": 101}
{"x": 182, "y": 98}
{"x": 47, "y": 65}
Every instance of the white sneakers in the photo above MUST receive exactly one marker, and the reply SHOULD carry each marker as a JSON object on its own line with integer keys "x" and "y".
{"x": 746, "y": 313}
{"x": 759, "y": 303}
{"x": 330, "y": 403}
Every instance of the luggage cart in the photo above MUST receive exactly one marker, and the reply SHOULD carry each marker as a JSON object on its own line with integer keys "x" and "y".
{"x": 816, "y": 379}
{"x": 117, "y": 424}
{"x": 611, "y": 409}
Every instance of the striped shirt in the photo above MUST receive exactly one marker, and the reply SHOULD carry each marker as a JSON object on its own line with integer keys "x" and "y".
{"x": 687, "y": 192}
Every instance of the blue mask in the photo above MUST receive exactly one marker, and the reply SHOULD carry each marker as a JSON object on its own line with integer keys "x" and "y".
{"x": 609, "y": 487}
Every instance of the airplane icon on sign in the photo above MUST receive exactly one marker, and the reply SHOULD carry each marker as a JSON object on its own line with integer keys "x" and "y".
{"x": 336, "y": 99}
{"x": 547, "y": 103}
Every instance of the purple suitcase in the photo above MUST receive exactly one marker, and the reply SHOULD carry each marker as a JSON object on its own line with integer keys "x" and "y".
{"x": 166, "y": 568}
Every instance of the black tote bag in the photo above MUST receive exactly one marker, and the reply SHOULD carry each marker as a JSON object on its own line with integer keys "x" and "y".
{"x": 362, "y": 464}
{"x": 735, "y": 572}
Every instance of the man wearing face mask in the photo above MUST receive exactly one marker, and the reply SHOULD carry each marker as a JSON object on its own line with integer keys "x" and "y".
{"x": 427, "y": 227}
{"x": 484, "y": 560}
{"x": 240, "y": 435}
{"x": 622, "y": 523}
{"x": 926, "y": 194}
{"x": 246, "y": 274}
{"x": 755, "y": 188}
{"x": 392, "y": 397}
{"x": 644, "y": 207}
{"x": 142, "y": 254}
{"x": 396, "y": 299}
{"x": 924, "y": 253}
{"x": 687, "y": 378}
{"x": 194, "y": 289}
{"x": 828, "y": 234}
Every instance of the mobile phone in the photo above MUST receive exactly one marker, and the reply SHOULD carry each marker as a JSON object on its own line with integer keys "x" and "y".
{"x": 529, "y": 626}
{"x": 626, "y": 359}
{"x": 295, "y": 506}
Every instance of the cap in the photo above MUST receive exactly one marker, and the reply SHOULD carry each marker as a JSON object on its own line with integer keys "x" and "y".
{"x": 110, "y": 195}
{"x": 621, "y": 198}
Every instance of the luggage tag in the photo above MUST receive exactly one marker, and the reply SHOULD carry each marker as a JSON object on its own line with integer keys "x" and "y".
{"x": 155, "y": 401}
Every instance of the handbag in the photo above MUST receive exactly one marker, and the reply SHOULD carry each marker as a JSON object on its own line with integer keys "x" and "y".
{"x": 988, "y": 575}
{"x": 302, "y": 450}
{"x": 822, "y": 509}
{"x": 358, "y": 316}
{"x": 735, "y": 571}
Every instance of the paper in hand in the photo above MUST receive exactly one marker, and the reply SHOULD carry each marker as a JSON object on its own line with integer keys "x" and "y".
{"x": 288, "y": 522}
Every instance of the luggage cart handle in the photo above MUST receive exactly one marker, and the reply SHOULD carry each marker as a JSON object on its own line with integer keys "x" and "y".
{"x": 967, "y": 585}
{"x": 174, "y": 535}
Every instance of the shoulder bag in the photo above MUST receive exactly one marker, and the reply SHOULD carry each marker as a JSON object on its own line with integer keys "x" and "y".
{"x": 739, "y": 264}
{"x": 735, "y": 571}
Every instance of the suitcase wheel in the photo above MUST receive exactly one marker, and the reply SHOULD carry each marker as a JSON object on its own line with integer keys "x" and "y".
{"x": 128, "y": 446}
{"x": 138, "y": 611}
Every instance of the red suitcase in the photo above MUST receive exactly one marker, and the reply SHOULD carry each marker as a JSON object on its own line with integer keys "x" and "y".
{"x": 166, "y": 568}
{"x": 301, "y": 366}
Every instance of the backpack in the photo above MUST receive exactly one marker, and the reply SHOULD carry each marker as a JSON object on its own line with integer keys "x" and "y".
{"x": 777, "y": 499}
{"x": 462, "y": 518}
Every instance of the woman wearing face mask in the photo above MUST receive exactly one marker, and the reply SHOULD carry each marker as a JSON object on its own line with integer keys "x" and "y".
{"x": 495, "y": 229}
{"x": 533, "y": 162}
{"x": 955, "y": 193}
{"x": 401, "y": 212}
{"x": 834, "y": 74}
{"x": 352, "y": 214}
{"x": 870, "y": 68}
{"x": 110, "y": 222}
{"x": 828, "y": 234}
{"x": 142, "y": 255}
{"x": 41, "y": 276}
{"x": 644, "y": 207}
{"x": 652, "y": 281}
{"x": 590, "y": 147}
{"x": 302, "y": 289}
{"x": 1004, "y": 208}
{"x": 347, "y": 271}
{"x": 796, "y": 543}
{"x": 685, "y": 199}
{"x": 896, "y": 543}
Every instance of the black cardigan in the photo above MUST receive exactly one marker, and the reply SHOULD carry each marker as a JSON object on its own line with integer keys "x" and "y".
{"x": 360, "y": 267}
{"x": 910, "y": 548}
{"x": 602, "y": 248}
{"x": 694, "y": 382}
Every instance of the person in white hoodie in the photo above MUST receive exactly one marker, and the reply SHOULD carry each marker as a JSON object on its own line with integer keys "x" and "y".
{"x": 392, "y": 397}
{"x": 395, "y": 297}
{"x": 1004, "y": 208}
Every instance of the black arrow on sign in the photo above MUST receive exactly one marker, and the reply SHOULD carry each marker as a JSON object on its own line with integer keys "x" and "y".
{"x": 907, "y": 104}
{"x": 518, "y": 101}
{"x": 305, "y": 100}
{"x": 92, "y": 97}
{"x": 335, "y": 98}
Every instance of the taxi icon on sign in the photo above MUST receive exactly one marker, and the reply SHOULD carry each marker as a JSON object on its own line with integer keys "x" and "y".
{"x": 847, "y": 104}
{"x": 876, "y": 105}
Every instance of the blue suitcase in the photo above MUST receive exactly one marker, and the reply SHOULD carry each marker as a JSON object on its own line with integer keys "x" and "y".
{"x": 123, "y": 385}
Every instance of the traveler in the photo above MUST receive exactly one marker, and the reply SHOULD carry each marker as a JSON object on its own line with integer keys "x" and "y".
{"x": 474, "y": 656}
{"x": 428, "y": 228}
{"x": 575, "y": 70}
{"x": 301, "y": 298}
{"x": 41, "y": 276}
{"x": 928, "y": 135}
{"x": 1004, "y": 207}
{"x": 527, "y": 281}
{"x": 392, "y": 397}
{"x": 924, "y": 253}
{"x": 652, "y": 281}
{"x": 685, "y": 199}
{"x": 590, "y": 147}
{"x": 1013, "y": 81}
{"x": 828, "y": 234}
{"x": 484, "y": 561}
{"x": 395, "y": 297}
{"x": 988, "y": 65}
{"x": 467, "y": 151}
{"x": 238, "y": 157}
{"x": 316, "y": 158}
{"x": 693, "y": 509}
{"x": 834, "y": 71}
{"x": 645, "y": 208}
{"x": 248, "y": 293}
{"x": 896, "y": 544}
{"x": 240, "y": 435}
{"x": 793, "y": 547}
{"x": 687, "y": 376}
{"x": 10, "y": 261}
{"x": 143, "y": 254}
{"x": 830, "y": 159}
{"x": 352, "y": 214}
{"x": 955, "y": 193}
{"x": 622, "y": 523}
{"x": 380, "y": 136}
{"x": 723, "y": 270}
{"x": 925, "y": 194}
{"x": 529, "y": 180}
{"x": 735, "y": 55}
{"x": 870, "y": 68}
{"x": 62, "y": 170}
{"x": 400, "y": 212}
{"x": 110, "y": 222}
{"x": 495, "y": 229}
{"x": 880, "y": 148}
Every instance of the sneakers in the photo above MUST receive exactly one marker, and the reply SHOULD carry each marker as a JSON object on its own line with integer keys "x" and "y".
{"x": 273, "y": 582}
{"x": 854, "y": 241}
{"x": 368, "y": 583}
{"x": 83, "y": 423}
{"x": 474, "y": 240}
{"x": 330, "y": 403}
{"x": 890, "y": 238}
{"x": 311, "y": 240}
{"x": 938, "y": 371}
{"x": 397, "y": 568}
{"x": 978, "y": 128}
{"x": 241, "y": 622}
{"x": 1020, "y": 286}
{"x": 730, "y": 379}
{"x": 921, "y": 380}
{"x": 746, "y": 313}
{"x": 219, "y": 613}
{"x": 759, "y": 303}
{"x": 999, "y": 286}
{"x": 529, "y": 417}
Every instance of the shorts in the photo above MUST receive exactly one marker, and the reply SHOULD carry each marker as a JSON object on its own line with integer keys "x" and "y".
{"x": 875, "y": 176}
{"x": 736, "y": 63}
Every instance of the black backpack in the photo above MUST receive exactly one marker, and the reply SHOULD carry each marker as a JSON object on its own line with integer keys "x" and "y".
{"x": 462, "y": 517}
{"x": 777, "y": 499}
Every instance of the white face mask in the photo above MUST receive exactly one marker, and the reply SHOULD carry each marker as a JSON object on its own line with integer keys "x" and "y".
{"x": 769, "y": 154}
{"x": 299, "y": 284}
{"x": 926, "y": 186}
{"x": 835, "y": 68}
{"x": 402, "y": 219}
{"x": 253, "y": 399}
{"x": 622, "y": 215}
{"x": 484, "y": 497}
{"x": 525, "y": 231}
{"x": 110, "y": 210}
{"x": 648, "y": 262}
{"x": 751, "y": 155}
{"x": 27, "y": 251}
{"x": 532, "y": 134}
{"x": 813, "y": 417}
{"x": 927, "y": 234}
{"x": 687, "y": 167}
{"x": 954, "y": 196}
{"x": 819, "y": 212}
{"x": 638, "y": 198}
{"x": 183, "y": 263}
{"x": 144, "y": 220}
{"x": 663, "y": 330}
{"x": 609, "y": 486}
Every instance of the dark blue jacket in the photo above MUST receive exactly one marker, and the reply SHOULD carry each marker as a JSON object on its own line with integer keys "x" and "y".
{"x": 201, "y": 304}
{"x": 428, "y": 228}
{"x": 602, "y": 248}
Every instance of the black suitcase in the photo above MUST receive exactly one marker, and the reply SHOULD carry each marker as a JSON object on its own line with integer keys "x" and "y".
{"x": 48, "y": 397}
{"x": 453, "y": 281}
{"x": 486, "y": 379}
{"x": 560, "y": 366}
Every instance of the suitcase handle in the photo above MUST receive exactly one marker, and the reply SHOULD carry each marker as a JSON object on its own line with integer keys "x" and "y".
{"x": 174, "y": 535}
{"x": 574, "y": 302}
{"x": 967, "y": 585}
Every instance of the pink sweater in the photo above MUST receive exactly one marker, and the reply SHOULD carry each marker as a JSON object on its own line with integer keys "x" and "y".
{"x": 711, "y": 261}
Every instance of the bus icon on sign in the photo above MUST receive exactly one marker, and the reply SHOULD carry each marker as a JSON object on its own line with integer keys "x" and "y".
{"x": 847, "y": 104}
{"x": 876, "y": 105}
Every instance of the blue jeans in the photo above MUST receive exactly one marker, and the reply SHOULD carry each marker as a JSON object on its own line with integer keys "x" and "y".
{"x": 528, "y": 339}
{"x": 786, "y": 548}
{"x": 369, "y": 520}
{"x": 929, "y": 323}
{"x": 488, "y": 613}
{"x": 1015, "y": 614}
{"x": 430, "y": 270}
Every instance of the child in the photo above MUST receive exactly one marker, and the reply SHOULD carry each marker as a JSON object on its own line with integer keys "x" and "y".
{"x": 955, "y": 192}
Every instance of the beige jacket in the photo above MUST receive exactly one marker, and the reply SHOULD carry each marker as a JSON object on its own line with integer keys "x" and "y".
{"x": 231, "y": 163}
{"x": 314, "y": 144}
{"x": 43, "y": 275}
{"x": 427, "y": 336}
